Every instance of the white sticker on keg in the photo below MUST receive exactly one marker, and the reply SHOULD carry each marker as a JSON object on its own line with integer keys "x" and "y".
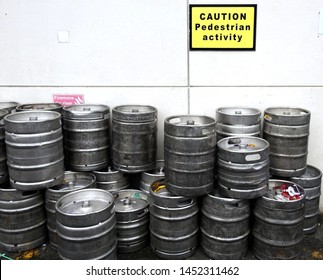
{"x": 68, "y": 99}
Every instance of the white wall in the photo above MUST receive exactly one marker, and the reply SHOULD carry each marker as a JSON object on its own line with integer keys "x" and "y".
{"x": 136, "y": 52}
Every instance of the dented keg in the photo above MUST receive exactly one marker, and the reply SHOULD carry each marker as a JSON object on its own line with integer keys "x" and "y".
{"x": 278, "y": 221}
{"x": 234, "y": 121}
{"x": 86, "y": 225}
{"x": 111, "y": 180}
{"x": 134, "y": 133}
{"x": 148, "y": 177}
{"x": 132, "y": 215}
{"x": 72, "y": 181}
{"x": 189, "y": 150}
{"x": 310, "y": 181}
{"x": 287, "y": 131}
{"x": 224, "y": 227}
{"x": 40, "y": 107}
{"x": 34, "y": 144}
{"x": 9, "y": 106}
{"x": 174, "y": 223}
{"x": 243, "y": 166}
{"x": 86, "y": 136}
{"x": 22, "y": 220}
{"x": 3, "y": 155}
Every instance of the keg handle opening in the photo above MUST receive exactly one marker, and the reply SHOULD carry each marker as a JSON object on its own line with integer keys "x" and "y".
{"x": 253, "y": 157}
{"x": 143, "y": 213}
{"x": 185, "y": 202}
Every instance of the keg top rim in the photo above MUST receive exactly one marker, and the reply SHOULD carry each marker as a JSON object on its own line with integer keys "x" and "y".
{"x": 85, "y": 111}
{"x": 249, "y": 111}
{"x": 32, "y": 116}
{"x": 35, "y": 106}
{"x": 3, "y": 113}
{"x": 274, "y": 183}
{"x": 134, "y": 109}
{"x": 190, "y": 120}
{"x": 311, "y": 172}
{"x": 250, "y": 141}
{"x": 107, "y": 170}
{"x": 279, "y": 111}
{"x": 130, "y": 200}
{"x": 8, "y": 104}
{"x": 71, "y": 204}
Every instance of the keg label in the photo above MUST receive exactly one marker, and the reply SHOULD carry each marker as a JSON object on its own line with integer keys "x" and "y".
{"x": 68, "y": 99}
{"x": 223, "y": 27}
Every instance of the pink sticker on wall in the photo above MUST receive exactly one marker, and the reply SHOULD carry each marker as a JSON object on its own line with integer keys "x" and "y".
{"x": 68, "y": 99}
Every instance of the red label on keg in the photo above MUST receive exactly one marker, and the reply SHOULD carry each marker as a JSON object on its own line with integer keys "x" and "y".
{"x": 68, "y": 99}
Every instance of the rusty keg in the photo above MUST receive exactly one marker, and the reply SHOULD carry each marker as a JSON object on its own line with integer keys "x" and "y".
{"x": 34, "y": 144}
{"x": 72, "y": 181}
{"x": 22, "y": 220}
{"x": 86, "y": 136}
{"x": 132, "y": 214}
{"x": 287, "y": 131}
{"x": 134, "y": 138}
{"x": 310, "y": 181}
{"x": 243, "y": 166}
{"x": 234, "y": 121}
{"x": 174, "y": 223}
{"x": 86, "y": 225}
{"x": 189, "y": 150}
{"x": 278, "y": 218}
{"x": 224, "y": 226}
{"x": 111, "y": 180}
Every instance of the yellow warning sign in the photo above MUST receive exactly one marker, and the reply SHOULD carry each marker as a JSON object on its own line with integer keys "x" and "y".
{"x": 223, "y": 27}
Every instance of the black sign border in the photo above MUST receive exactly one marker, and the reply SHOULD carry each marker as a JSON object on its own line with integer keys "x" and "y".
{"x": 253, "y": 48}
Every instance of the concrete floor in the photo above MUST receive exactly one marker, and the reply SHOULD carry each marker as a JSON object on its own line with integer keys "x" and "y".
{"x": 312, "y": 250}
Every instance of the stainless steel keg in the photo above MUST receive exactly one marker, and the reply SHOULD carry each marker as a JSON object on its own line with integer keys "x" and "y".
{"x": 278, "y": 218}
{"x": 86, "y": 136}
{"x": 22, "y": 220}
{"x": 9, "y": 106}
{"x": 148, "y": 177}
{"x": 134, "y": 138}
{"x": 174, "y": 223}
{"x": 287, "y": 131}
{"x": 310, "y": 181}
{"x": 189, "y": 150}
{"x": 4, "y": 177}
{"x": 111, "y": 180}
{"x": 243, "y": 166}
{"x": 234, "y": 121}
{"x": 132, "y": 213}
{"x": 86, "y": 225}
{"x": 34, "y": 144}
{"x": 40, "y": 107}
{"x": 72, "y": 181}
{"x": 224, "y": 227}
